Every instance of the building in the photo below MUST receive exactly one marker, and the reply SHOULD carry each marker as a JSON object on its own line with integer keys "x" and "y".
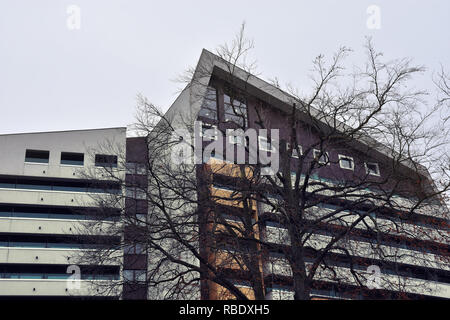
{"x": 222, "y": 100}
{"x": 50, "y": 184}
{"x": 44, "y": 199}
{"x": 135, "y": 284}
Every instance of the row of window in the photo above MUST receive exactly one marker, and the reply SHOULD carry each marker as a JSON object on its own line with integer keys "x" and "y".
{"x": 209, "y": 132}
{"x": 236, "y": 111}
{"x": 411, "y": 271}
{"x": 323, "y": 158}
{"x": 345, "y": 162}
{"x": 69, "y": 158}
{"x": 406, "y": 243}
{"x": 51, "y": 245}
{"x": 40, "y": 215}
{"x": 45, "y": 212}
{"x": 8, "y": 275}
{"x": 9, "y": 214}
{"x": 67, "y": 186}
{"x": 55, "y": 241}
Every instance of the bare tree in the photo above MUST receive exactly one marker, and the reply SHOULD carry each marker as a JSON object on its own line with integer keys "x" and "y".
{"x": 308, "y": 224}
{"x": 370, "y": 117}
{"x": 442, "y": 82}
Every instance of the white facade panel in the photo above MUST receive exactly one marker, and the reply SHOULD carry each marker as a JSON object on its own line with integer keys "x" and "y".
{"x": 49, "y": 287}
{"x": 111, "y": 141}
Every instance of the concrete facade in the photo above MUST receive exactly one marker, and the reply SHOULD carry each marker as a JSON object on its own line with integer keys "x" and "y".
{"x": 38, "y": 226}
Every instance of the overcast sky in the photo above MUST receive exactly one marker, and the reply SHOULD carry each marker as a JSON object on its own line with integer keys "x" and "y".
{"x": 55, "y": 76}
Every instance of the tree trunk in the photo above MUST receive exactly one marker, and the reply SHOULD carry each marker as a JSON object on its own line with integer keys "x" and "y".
{"x": 301, "y": 285}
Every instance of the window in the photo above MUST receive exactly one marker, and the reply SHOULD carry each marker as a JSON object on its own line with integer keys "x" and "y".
{"x": 235, "y": 111}
{"x": 346, "y": 162}
{"x": 135, "y": 168}
{"x": 134, "y": 275}
{"x": 134, "y": 249}
{"x": 209, "y": 107}
{"x": 72, "y": 158}
{"x": 209, "y": 132}
{"x": 135, "y": 193}
{"x": 372, "y": 168}
{"x": 322, "y": 157}
{"x": 62, "y": 185}
{"x": 128, "y": 275}
{"x": 265, "y": 145}
{"x": 141, "y": 219}
{"x": 294, "y": 150}
{"x": 103, "y": 160}
{"x": 37, "y": 156}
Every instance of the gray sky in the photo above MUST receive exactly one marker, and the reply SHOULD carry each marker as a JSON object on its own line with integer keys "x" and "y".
{"x": 55, "y": 78}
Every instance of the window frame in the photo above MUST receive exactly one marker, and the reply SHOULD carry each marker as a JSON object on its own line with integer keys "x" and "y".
{"x": 377, "y": 174}
{"x": 136, "y": 273}
{"x": 68, "y": 164}
{"x": 134, "y": 192}
{"x": 341, "y": 157}
{"x": 113, "y": 164}
{"x": 136, "y": 248}
{"x": 37, "y": 162}
{"x": 135, "y": 168}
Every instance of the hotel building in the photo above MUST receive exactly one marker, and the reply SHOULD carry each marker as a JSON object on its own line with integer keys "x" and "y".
{"x": 45, "y": 196}
{"x": 221, "y": 96}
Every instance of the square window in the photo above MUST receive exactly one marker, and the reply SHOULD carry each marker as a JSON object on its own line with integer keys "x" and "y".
{"x": 346, "y": 162}
{"x": 322, "y": 157}
{"x": 37, "y": 156}
{"x": 372, "y": 168}
{"x": 72, "y": 158}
